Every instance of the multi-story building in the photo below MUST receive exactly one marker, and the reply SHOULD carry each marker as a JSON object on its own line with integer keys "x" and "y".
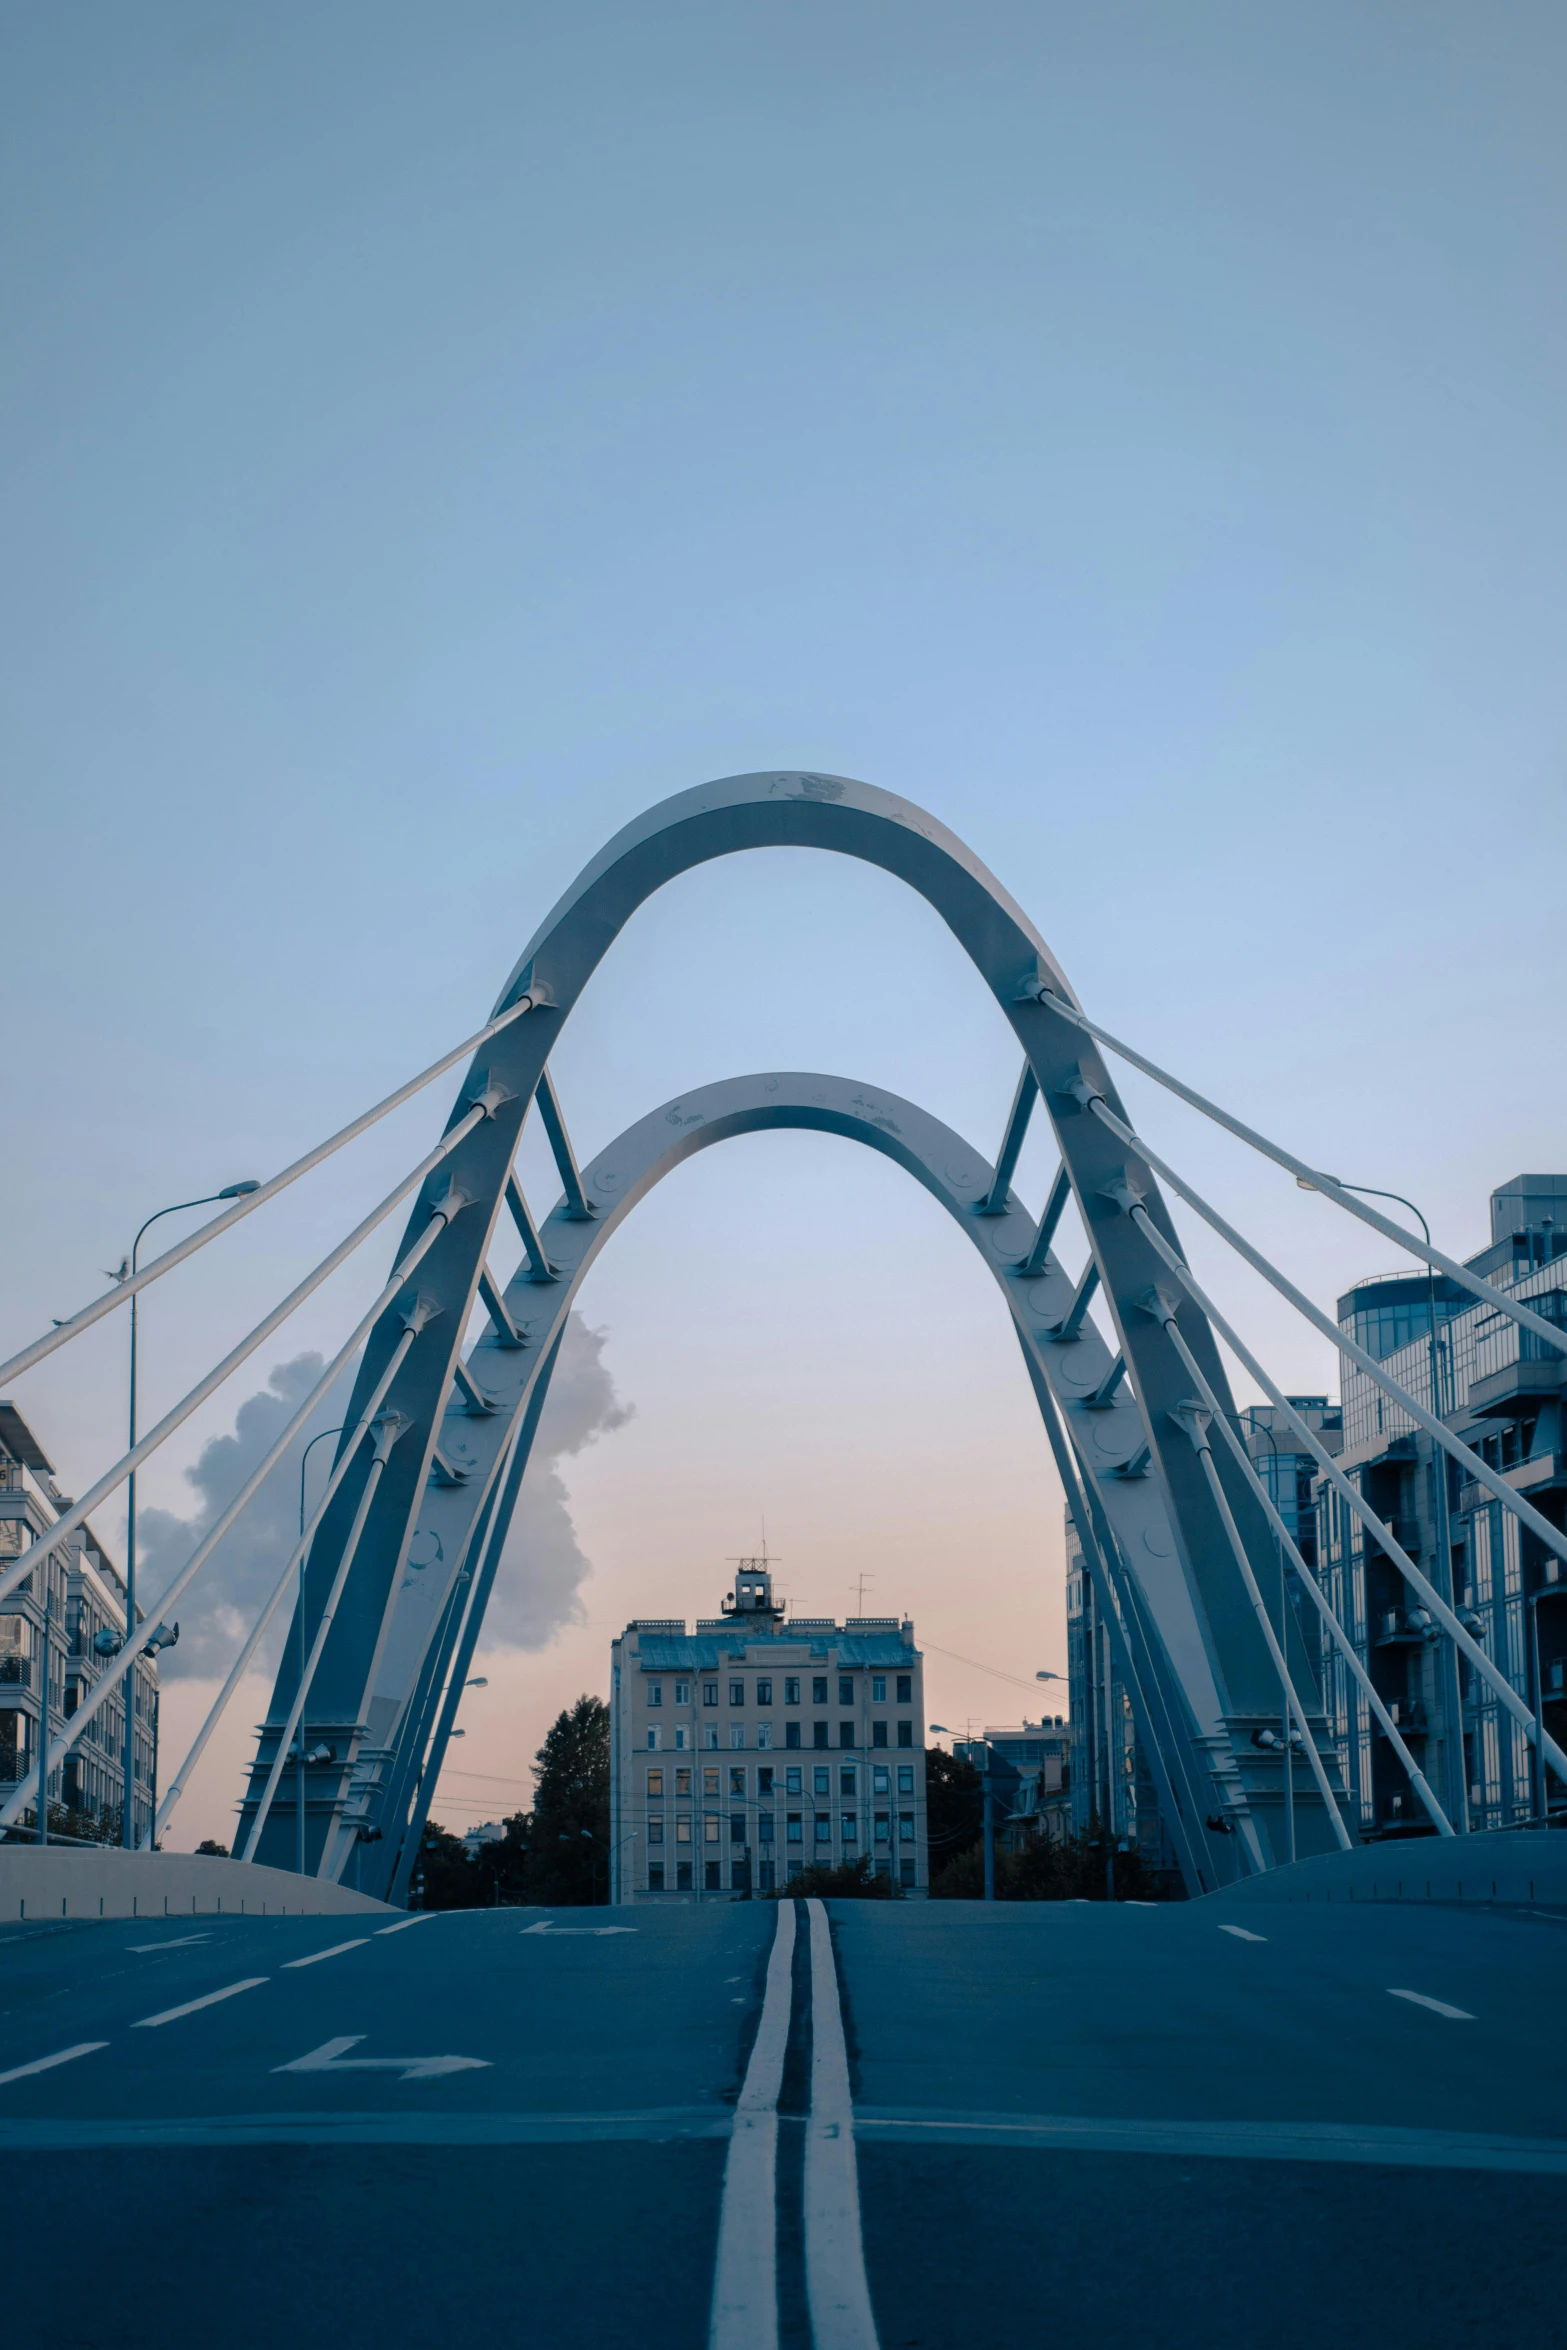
{"x": 85, "y": 1619}
{"x": 753, "y": 1748}
{"x": 1500, "y": 1388}
{"x": 1030, "y": 1779}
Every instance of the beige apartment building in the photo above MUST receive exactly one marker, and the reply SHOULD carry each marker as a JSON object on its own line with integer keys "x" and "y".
{"x": 754, "y": 1747}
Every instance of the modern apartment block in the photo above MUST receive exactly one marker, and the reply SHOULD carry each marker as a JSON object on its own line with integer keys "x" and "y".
{"x": 85, "y": 1629}
{"x": 1500, "y": 1388}
{"x": 754, "y": 1747}
{"x": 1030, "y": 1767}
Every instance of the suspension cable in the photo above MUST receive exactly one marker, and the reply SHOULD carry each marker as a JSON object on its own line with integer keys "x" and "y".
{"x": 1479, "y": 1469}
{"x": 77, "y": 1323}
{"x": 135, "y": 1641}
{"x": 1417, "y": 1777}
{"x": 1326, "y": 1184}
{"x": 1356, "y": 1501}
{"x": 115, "y": 1477}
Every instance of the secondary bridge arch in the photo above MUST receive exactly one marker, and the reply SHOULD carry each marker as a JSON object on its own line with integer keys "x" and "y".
{"x": 1212, "y": 1661}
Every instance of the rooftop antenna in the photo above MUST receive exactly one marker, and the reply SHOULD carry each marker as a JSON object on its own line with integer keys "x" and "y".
{"x": 860, "y": 1584}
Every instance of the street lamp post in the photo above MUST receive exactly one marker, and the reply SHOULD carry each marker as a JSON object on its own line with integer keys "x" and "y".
{"x": 299, "y": 1736}
{"x": 1457, "y": 1777}
{"x": 208, "y": 1199}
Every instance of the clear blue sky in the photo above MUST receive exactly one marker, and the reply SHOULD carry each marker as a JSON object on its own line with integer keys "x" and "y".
{"x": 431, "y": 435}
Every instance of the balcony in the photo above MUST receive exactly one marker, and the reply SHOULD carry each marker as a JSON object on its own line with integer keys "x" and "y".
{"x": 1516, "y": 1387}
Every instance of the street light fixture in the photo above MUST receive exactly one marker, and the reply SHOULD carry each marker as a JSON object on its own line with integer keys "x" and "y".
{"x": 207, "y": 1200}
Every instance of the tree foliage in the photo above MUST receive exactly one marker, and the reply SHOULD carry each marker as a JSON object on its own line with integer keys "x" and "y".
{"x": 954, "y": 1806}
{"x": 1073, "y": 1870}
{"x": 851, "y": 1880}
{"x": 557, "y": 1854}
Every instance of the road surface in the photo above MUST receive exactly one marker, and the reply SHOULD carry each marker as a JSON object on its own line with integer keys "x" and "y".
{"x": 760, "y": 2123}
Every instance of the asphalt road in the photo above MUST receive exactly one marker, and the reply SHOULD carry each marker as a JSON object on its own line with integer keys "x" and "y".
{"x": 755, "y": 2124}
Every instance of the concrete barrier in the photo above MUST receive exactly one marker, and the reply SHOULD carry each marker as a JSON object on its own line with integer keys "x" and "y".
{"x": 101, "y": 1881}
{"x": 1518, "y": 1866}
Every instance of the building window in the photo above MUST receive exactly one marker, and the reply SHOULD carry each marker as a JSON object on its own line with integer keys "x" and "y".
{"x": 681, "y": 1740}
{"x": 878, "y": 1688}
{"x": 878, "y": 1733}
{"x": 764, "y": 1828}
{"x": 711, "y": 1826}
{"x": 683, "y": 1876}
{"x": 905, "y": 1688}
{"x": 655, "y": 1693}
{"x": 737, "y": 1734}
{"x": 709, "y": 1692}
{"x": 883, "y": 1825}
{"x": 819, "y": 1689}
{"x": 845, "y": 1688}
{"x": 710, "y": 1782}
{"x": 737, "y": 1827}
{"x": 905, "y": 1733}
{"x": 764, "y": 1781}
{"x": 880, "y": 1780}
{"x": 682, "y": 1693}
{"x": 824, "y": 1827}
{"x": 737, "y": 1693}
{"x": 655, "y": 1827}
{"x": 655, "y": 1783}
{"x": 710, "y": 1735}
{"x": 764, "y": 1735}
{"x": 905, "y": 1827}
{"x": 850, "y": 1827}
{"x": 845, "y": 1733}
{"x": 793, "y": 1780}
{"x": 764, "y": 1693}
{"x": 737, "y": 1782}
{"x": 793, "y": 1834}
{"x": 846, "y": 1780}
{"x": 819, "y": 1732}
{"x": 682, "y": 1827}
{"x": 906, "y": 1873}
{"x": 655, "y": 1876}
{"x": 713, "y": 1877}
{"x": 791, "y": 1733}
{"x": 655, "y": 1738}
{"x": 821, "y": 1782}
{"x": 791, "y": 1692}
{"x": 906, "y": 1778}
{"x": 683, "y": 1782}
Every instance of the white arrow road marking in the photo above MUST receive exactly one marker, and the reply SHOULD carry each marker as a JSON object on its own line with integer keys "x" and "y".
{"x": 330, "y": 2058}
{"x": 314, "y": 1957}
{"x": 745, "y": 2279}
{"x": 1457, "y": 2015}
{"x": 177, "y": 1942}
{"x": 836, "y": 2286}
{"x": 545, "y": 1926}
{"x": 46, "y": 2064}
{"x": 1241, "y": 1935}
{"x": 171, "y": 2015}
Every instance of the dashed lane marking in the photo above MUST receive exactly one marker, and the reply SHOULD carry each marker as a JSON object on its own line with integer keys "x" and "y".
{"x": 314, "y": 1957}
{"x": 172, "y": 2015}
{"x": 1457, "y": 2015}
{"x": 176, "y": 1942}
{"x": 421, "y": 1917}
{"x": 46, "y": 2064}
{"x": 1241, "y": 1934}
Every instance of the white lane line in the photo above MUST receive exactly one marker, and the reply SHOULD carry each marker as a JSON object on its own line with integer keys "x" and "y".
{"x": 836, "y": 2287}
{"x": 1241, "y": 1935}
{"x": 421, "y": 1917}
{"x": 171, "y": 2015}
{"x": 46, "y": 2064}
{"x": 1457, "y": 2015}
{"x": 745, "y": 2275}
{"x": 314, "y": 1957}
{"x": 177, "y": 1942}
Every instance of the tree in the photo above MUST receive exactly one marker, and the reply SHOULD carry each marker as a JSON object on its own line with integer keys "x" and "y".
{"x": 954, "y": 1807}
{"x": 568, "y": 1860}
{"x": 851, "y": 1880}
{"x": 1073, "y": 1870}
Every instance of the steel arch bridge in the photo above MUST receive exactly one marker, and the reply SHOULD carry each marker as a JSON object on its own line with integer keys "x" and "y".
{"x": 403, "y": 1560}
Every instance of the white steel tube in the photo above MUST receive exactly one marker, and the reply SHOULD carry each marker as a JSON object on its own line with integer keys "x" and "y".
{"x": 253, "y": 1200}
{"x": 1468, "y": 1647}
{"x": 340, "y": 1469}
{"x": 1311, "y": 1175}
{"x": 1479, "y": 1469}
{"x": 198, "y": 1395}
{"x": 1417, "y": 1777}
{"x": 385, "y": 1438}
